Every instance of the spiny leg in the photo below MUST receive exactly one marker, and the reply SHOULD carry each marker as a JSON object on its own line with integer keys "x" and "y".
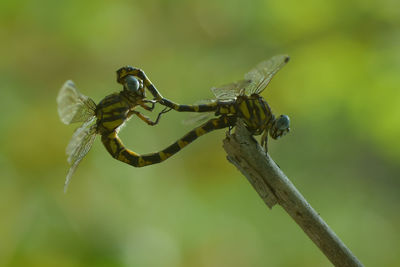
{"x": 143, "y": 104}
{"x": 147, "y": 119}
{"x": 165, "y": 110}
{"x": 116, "y": 148}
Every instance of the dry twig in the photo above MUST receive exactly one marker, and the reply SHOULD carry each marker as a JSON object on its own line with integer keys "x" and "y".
{"x": 274, "y": 187}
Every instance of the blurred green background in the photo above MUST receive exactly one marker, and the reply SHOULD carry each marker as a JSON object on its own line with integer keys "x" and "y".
{"x": 340, "y": 89}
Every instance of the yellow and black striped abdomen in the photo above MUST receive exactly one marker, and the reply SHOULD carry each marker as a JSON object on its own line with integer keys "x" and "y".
{"x": 209, "y": 107}
{"x": 116, "y": 148}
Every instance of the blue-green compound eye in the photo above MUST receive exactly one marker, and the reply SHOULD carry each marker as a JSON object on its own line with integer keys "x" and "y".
{"x": 132, "y": 83}
{"x": 283, "y": 122}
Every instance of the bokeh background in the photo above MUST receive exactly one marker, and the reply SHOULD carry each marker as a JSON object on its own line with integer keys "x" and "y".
{"x": 341, "y": 90}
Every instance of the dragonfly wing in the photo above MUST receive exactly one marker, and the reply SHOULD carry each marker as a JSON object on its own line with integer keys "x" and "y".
{"x": 262, "y": 74}
{"x": 74, "y": 106}
{"x": 195, "y": 118}
{"x": 230, "y": 91}
{"x": 80, "y": 144}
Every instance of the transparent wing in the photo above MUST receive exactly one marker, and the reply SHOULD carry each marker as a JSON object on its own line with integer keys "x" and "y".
{"x": 74, "y": 106}
{"x": 195, "y": 118}
{"x": 262, "y": 74}
{"x": 80, "y": 144}
{"x": 230, "y": 91}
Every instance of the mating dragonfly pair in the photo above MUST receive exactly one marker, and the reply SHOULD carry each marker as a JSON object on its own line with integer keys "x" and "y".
{"x": 233, "y": 101}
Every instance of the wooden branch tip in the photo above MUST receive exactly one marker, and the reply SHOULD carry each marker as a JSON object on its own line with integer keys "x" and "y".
{"x": 274, "y": 187}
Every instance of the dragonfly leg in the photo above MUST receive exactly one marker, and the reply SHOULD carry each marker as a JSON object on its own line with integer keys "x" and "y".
{"x": 143, "y": 105}
{"x": 264, "y": 140}
{"x": 165, "y": 110}
{"x": 147, "y": 119}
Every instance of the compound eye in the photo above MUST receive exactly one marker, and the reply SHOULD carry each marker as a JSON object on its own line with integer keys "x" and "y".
{"x": 283, "y": 122}
{"x": 132, "y": 84}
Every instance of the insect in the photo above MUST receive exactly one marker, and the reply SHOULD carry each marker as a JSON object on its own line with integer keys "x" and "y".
{"x": 105, "y": 118}
{"x": 236, "y": 100}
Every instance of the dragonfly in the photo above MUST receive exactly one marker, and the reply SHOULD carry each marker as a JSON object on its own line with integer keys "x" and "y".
{"x": 107, "y": 117}
{"x": 236, "y": 100}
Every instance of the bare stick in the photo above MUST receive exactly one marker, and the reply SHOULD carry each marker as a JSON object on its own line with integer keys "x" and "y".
{"x": 275, "y": 188}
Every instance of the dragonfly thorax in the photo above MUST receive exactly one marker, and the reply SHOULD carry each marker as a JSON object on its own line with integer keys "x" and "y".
{"x": 255, "y": 112}
{"x": 132, "y": 98}
{"x": 111, "y": 112}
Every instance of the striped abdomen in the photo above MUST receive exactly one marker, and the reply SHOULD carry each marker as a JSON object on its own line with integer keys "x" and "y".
{"x": 253, "y": 109}
{"x": 209, "y": 107}
{"x": 117, "y": 149}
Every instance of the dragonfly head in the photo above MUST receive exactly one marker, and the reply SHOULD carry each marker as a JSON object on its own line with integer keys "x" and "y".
{"x": 132, "y": 84}
{"x": 280, "y": 127}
